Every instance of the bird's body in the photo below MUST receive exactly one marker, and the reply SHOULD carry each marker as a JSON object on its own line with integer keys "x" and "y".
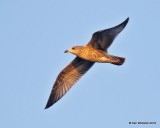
{"x": 86, "y": 56}
{"x": 91, "y": 54}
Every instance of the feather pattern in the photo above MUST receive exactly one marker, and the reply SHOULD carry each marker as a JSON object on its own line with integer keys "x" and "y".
{"x": 101, "y": 40}
{"x": 67, "y": 78}
{"x": 94, "y": 51}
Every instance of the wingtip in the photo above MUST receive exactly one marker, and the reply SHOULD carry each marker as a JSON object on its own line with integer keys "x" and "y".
{"x": 122, "y": 25}
{"x": 127, "y": 19}
{"x": 48, "y": 105}
{"x": 117, "y": 29}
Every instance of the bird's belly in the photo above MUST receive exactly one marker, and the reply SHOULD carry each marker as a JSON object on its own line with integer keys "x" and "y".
{"x": 95, "y": 57}
{"x": 100, "y": 59}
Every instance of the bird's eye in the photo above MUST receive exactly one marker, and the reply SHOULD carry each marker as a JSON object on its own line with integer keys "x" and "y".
{"x": 73, "y": 48}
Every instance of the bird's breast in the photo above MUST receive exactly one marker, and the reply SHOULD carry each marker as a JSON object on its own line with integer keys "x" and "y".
{"x": 94, "y": 55}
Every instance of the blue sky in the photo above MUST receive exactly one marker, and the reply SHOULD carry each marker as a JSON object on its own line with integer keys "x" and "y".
{"x": 33, "y": 37}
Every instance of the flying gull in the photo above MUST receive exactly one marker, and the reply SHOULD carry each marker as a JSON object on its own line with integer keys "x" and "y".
{"x": 86, "y": 56}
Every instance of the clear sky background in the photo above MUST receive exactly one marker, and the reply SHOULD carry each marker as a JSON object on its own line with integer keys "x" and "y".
{"x": 33, "y": 37}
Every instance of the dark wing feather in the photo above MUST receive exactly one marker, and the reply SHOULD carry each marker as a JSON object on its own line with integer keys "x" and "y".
{"x": 67, "y": 78}
{"x": 101, "y": 40}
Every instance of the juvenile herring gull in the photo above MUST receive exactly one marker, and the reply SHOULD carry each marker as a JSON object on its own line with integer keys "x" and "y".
{"x": 86, "y": 56}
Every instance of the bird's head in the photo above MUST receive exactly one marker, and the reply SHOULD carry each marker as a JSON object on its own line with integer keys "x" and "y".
{"x": 74, "y": 50}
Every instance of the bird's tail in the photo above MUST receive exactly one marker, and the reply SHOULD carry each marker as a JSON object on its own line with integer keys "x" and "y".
{"x": 117, "y": 60}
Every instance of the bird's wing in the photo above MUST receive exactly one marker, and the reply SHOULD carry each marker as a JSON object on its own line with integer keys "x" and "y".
{"x": 67, "y": 78}
{"x": 101, "y": 40}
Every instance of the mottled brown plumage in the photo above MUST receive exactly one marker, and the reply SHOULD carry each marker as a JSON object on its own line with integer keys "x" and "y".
{"x": 91, "y": 54}
{"x": 94, "y": 51}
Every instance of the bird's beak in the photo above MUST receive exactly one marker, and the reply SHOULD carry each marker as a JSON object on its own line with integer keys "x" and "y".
{"x": 66, "y": 51}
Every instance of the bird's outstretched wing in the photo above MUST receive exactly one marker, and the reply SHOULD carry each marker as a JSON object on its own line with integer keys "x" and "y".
{"x": 101, "y": 40}
{"x": 67, "y": 78}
